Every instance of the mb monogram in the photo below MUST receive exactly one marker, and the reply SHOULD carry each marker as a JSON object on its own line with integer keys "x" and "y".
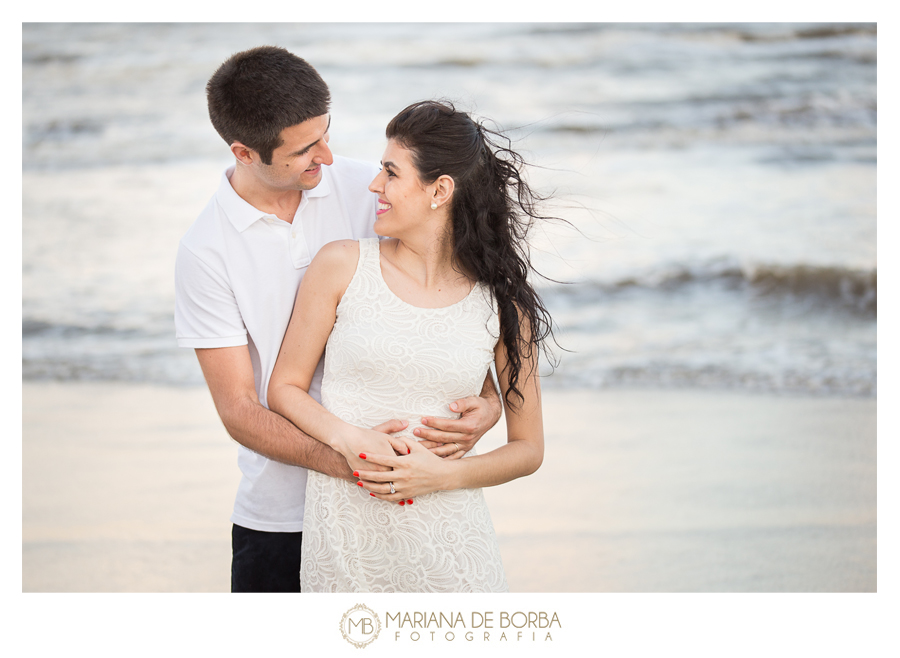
{"x": 360, "y": 626}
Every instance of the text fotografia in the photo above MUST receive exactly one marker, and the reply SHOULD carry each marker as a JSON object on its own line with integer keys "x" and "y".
{"x": 478, "y": 626}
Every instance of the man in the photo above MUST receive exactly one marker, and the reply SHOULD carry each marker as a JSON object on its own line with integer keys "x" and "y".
{"x": 237, "y": 273}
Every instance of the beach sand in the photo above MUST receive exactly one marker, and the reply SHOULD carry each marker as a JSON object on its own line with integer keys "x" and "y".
{"x": 129, "y": 488}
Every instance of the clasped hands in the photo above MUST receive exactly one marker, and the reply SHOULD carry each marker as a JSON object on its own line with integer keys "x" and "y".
{"x": 379, "y": 458}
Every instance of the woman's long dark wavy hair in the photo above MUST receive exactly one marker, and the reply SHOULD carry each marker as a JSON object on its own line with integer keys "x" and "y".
{"x": 492, "y": 211}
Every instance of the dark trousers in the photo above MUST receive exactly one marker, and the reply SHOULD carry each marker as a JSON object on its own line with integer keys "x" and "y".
{"x": 265, "y": 561}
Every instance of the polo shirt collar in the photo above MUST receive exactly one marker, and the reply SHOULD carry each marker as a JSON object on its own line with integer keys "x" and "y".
{"x": 324, "y": 186}
{"x": 241, "y": 214}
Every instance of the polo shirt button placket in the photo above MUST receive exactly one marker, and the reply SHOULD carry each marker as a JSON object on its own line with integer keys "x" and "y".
{"x": 299, "y": 248}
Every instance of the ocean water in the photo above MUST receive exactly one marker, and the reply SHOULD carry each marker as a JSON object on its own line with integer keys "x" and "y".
{"x": 717, "y": 184}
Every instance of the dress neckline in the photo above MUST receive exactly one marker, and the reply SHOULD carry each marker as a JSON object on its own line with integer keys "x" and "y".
{"x": 377, "y": 259}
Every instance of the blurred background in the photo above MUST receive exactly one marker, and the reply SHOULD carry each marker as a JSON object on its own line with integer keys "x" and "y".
{"x": 721, "y": 178}
{"x": 719, "y": 182}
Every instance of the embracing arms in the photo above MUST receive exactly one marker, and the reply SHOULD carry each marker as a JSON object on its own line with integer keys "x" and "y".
{"x": 229, "y": 375}
{"x": 418, "y": 472}
{"x": 311, "y": 323}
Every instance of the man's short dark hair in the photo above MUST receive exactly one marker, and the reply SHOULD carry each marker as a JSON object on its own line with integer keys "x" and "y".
{"x": 259, "y": 92}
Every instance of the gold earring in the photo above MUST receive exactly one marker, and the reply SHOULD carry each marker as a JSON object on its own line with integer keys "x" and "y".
{"x": 434, "y": 205}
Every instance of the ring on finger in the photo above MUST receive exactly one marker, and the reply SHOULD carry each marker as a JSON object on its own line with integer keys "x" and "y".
{"x": 457, "y": 446}
{"x": 392, "y": 487}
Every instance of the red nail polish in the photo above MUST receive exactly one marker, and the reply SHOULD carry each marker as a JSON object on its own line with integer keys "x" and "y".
{"x": 359, "y": 483}
{"x": 373, "y": 495}
{"x": 408, "y": 450}
{"x": 356, "y": 474}
{"x": 409, "y": 502}
{"x": 403, "y": 502}
{"x": 362, "y": 455}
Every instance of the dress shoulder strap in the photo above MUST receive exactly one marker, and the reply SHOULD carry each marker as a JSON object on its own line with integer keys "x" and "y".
{"x": 368, "y": 268}
{"x": 369, "y": 253}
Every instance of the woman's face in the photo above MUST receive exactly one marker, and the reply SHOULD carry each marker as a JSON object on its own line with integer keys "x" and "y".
{"x": 403, "y": 199}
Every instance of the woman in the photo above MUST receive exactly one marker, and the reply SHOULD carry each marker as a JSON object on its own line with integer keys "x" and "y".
{"x": 412, "y": 323}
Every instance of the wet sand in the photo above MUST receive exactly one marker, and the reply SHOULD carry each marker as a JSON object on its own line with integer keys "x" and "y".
{"x": 128, "y": 488}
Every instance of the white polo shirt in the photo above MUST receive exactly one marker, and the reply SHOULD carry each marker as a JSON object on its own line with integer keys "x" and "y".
{"x": 236, "y": 277}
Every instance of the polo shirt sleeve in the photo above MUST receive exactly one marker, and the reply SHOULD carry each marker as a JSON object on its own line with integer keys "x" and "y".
{"x": 206, "y": 311}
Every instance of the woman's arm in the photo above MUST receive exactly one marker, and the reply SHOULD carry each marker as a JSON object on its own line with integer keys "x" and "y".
{"x": 311, "y": 323}
{"x": 422, "y": 472}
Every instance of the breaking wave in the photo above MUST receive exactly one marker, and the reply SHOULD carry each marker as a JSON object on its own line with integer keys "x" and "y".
{"x": 853, "y": 290}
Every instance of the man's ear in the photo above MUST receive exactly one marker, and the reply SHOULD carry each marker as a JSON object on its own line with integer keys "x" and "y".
{"x": 244, "y": 154}
{"x": 443, "y": 190}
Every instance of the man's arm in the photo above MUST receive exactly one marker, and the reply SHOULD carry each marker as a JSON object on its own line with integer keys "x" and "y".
{"x": 229, "y": 375}
{"x": 451, "y": 438}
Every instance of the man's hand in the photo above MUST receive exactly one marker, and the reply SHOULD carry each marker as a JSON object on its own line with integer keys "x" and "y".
{"x": 451, "y": 438}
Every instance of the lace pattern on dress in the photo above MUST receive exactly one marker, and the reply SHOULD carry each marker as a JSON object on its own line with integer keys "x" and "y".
{"x": 388, "y": 359}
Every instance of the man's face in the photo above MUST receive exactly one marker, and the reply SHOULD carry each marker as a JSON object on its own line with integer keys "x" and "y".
{"x": 297, "y": 163}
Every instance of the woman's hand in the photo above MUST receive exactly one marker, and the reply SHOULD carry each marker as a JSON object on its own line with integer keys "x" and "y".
{"x": 452, "y": 438}
{"x": 415, "y": 473}
{"x": 361, "y": 443}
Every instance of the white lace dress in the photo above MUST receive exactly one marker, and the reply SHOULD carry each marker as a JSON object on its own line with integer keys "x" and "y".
{"x": 388, "y": 359}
